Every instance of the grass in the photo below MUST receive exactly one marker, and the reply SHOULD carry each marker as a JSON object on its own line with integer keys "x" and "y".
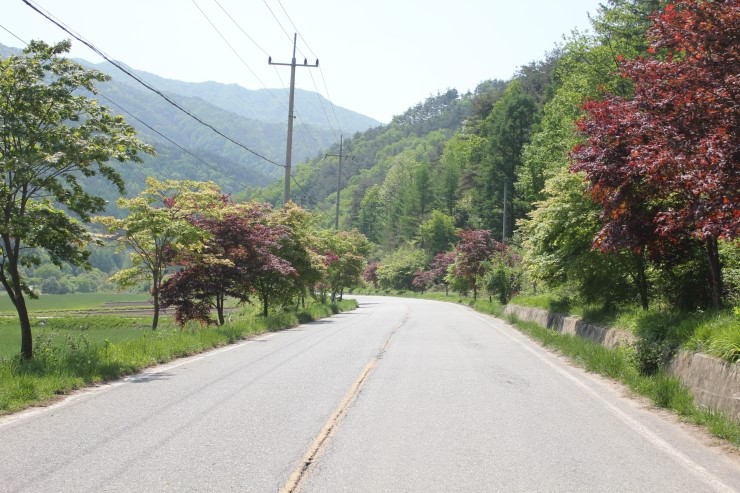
{"x": 72, "y": 352}
{"x": 76, "y": 301}
{"x": 711, "y": 332}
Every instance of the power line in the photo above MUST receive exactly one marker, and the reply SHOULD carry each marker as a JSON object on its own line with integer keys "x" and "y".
{"x": 13, "y": 34}
{"x": 328, "y": 97}
{"x": 242, "y": 30}
{"x": 146, "y": 84}
{"x": 276, "y": 20}
{"x": 308, "y": 132}
{"x": 210, "y": 165}
{"x": 228, "y": 44}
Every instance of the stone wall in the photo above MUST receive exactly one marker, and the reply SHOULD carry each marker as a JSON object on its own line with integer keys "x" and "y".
{"x": 714, "y": 383}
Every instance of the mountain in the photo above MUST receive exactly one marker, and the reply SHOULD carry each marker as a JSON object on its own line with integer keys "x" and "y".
{"x": 268, "y": 105}
{"x": 256, "y": 119}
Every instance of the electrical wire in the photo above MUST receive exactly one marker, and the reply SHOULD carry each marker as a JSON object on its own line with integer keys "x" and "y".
{"x": 328, "y": 97}
{"x": 12, "y": 34}
{"x": 102, "y": 54}
{"x": 227, "y": 43}
{"x": 203, "y": 161}
{"x": 210, "y": 165}
{"x": 297, "y": 114}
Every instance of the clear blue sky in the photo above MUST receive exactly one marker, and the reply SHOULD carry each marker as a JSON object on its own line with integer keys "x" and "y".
{"x": 377, "y": 57}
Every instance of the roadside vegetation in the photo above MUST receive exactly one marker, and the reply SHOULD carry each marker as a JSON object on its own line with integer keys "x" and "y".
{"x": 72, "y": 351}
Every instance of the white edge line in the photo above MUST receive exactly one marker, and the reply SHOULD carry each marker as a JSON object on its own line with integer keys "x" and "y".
{"x": 699, "y": 471}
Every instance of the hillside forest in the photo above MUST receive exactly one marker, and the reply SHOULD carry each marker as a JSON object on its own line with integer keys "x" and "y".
{"x": 607, "y": 172}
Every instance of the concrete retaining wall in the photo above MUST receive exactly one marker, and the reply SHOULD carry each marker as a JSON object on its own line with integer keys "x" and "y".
{"x": 714, "y": 383}
{"x": 605, "y": 336}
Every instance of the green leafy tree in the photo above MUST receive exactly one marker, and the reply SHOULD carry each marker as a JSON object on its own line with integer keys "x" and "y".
{"x": 437, "y": 234}
{"x": 159, "y": 225}
{"x": 52, "y": 135}
{"x": 345, "y": 254}
{"x": 558, "y": 241}
{"x": 508, "y": 128}
{"x": 398, "y": 268}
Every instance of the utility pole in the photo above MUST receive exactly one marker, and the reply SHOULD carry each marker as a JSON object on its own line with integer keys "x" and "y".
{"x": 503, "y": 233}
{"x": 289, "y": 146}
{"x": 339, "y": 179}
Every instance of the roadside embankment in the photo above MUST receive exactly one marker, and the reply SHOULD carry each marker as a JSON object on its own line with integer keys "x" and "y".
{"x": 714, "y": 383}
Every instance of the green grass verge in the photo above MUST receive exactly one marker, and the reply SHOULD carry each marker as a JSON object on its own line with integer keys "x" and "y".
{"x": 711, "y": 332}
{"x": 76, "y": 353}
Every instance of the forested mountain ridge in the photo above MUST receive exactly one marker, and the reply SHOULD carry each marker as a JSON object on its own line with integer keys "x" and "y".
{"x": 266, "y": 105}
{"x": 258, "y": 122}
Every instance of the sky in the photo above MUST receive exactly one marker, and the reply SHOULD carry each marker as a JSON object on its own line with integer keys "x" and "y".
{"x": 376, "y": 57}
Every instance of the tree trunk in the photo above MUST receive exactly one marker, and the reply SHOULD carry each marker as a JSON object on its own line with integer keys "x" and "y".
{"x": 155, "y": 300}
{"x": 264, "y": 306}
{"x": 26, "y": 334}
{"x": 642, "y": 284}
{"x": 715, "y": 268}
{"x": 220, "y": 308}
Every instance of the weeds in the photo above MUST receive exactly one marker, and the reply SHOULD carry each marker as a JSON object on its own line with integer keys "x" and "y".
{"x": 68, "y": 361}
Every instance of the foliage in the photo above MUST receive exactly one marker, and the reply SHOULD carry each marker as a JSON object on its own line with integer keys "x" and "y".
{"x": 437, "y": 234}
{"x": 158, "y": 227}
{"x": 397, "y": 269}
{"x": 52, "y": 136}
{"x": 474, "y": 250}
{"x": 557, "y": 246}
{"x": 238, "y": 252}
{"x": 345, "y": 256}
{"x": 663, "y": 164}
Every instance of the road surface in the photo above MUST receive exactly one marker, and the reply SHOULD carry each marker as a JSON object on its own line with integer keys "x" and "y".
{"x": 397, "y": 396}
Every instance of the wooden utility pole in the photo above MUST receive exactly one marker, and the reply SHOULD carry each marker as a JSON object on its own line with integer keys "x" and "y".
{"x": 289, "y": 145}
{"x": 503, "y": 232}
{"x": 339, "y": 179}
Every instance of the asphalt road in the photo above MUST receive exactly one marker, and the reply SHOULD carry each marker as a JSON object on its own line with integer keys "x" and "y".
{"x": 399, "y": 395}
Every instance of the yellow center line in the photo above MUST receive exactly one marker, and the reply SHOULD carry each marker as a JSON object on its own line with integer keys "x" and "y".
{"x": 331, "y": 424}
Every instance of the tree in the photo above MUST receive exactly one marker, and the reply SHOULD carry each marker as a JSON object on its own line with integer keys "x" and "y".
{"x": 508, "y": 128}
{"x": 676, "y": 143}
{"x": 476, "y": 246}
{"x": 437, "y": 234}
{"x": 345, "y": 253}
{"x": 558, "y": 244}
{"x": 159, "y": 225}
{"x": 397, "y": 269}
{"x": 52, "y": 135}
{"x": 236, "y": 253}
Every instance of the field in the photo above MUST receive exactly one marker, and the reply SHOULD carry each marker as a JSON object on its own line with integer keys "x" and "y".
{"x": 86, "y": 339}
{"x": 95, "y": 317}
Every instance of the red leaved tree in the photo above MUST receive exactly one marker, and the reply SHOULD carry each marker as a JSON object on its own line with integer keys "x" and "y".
{"x": 233, "y": 262}
{"x": 664, "y": 164}
{"x": 476, "y": 246}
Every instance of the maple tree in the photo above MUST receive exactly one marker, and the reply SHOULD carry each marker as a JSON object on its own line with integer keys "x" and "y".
{"x": 238, "y": 253}
{"x": 475, "y": 248}
{"x": 663, "y": 164}
{"x": 158, "y": 226}
{"x": 345, "y": 253}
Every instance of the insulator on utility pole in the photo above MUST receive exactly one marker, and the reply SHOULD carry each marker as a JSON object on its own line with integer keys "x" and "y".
{"x": 289, "y": 145}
